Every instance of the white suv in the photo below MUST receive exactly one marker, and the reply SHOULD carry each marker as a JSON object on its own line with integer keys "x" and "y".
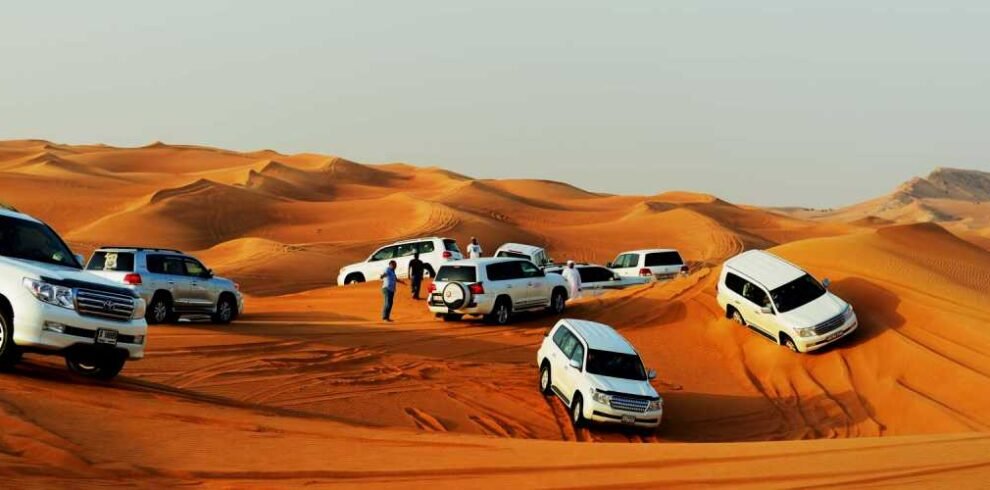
{"x": 658, "y": 263}
{"x": 598, "y": 374}
{"x": 434, "y": 252}
{"x": 495, "y": 288}
{"x": 532, "y": 253}
{"x": 778, "y": 300}
{"x": 49, "y": 305}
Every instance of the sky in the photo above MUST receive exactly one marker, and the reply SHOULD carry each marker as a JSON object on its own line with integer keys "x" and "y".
{"x": 817, "y": 104}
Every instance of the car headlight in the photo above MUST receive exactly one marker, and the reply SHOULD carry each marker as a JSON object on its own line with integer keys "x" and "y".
{"x": 848, "y": 313}
{"x": 50, "y": 293}
{"x": 655, "y": 405}
{"x": 139, "y": 309}
{"x": 806, "y": 332}
{"x": 600, "y": 397}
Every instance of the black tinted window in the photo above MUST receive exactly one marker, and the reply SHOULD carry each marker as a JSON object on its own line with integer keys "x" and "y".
{"x": 155, "y": 263}
{"x": 175, "y": 266}
{"x": 530, "y": 270}
{"x": 797, "y": 293}
{"x": 594, "y": 274}
{"x": 426, "y": 247}
{"x": 510, "y": 254}
{"x": 663, "y": 258}
{"x": 384, "y": 254}
{"x": 558, "y": 337}
{"x": 755, "y": 294}
{"x": 457, "y": 273}
{"x": 194, "y": 268}
{"x": 112, "y": 261}
{"x": 30, "y": 240}
{"x": 734, "y": 283}
{"x": 451, "y": 246}
{"x": 496, "y": 272}
{"x": 616, "y": 365}
{"x": 568, "y": 344}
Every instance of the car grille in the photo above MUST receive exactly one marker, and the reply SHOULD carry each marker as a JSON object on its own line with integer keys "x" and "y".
{"x": 829, "y": 325}
{"x": 103, "y": 304}
{"x": 636, "y": 405}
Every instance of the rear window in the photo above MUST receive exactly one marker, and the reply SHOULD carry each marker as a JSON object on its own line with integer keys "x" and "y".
{"x": 511, "y": 254}
{"x": 112, "y": 261}
{"x": 451, "y": 245}
{"x": 663, "y": 258}
{"x": 457, "y": 273}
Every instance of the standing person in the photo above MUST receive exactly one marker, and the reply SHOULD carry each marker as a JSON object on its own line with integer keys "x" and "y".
{"x": 573, "y": 279}
{"x": 416, "y": 269}
{"x": 474, "y": 250}
{"x": 389, "y": 281}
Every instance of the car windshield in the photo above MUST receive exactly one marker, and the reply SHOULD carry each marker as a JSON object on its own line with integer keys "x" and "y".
{"x": 457, "y": 273}
{"x": 796, "y": 293}
{"x": 616, "y": 365}
{"x": 111, "y": 261}
{"x": 30, "y": 240}
{"x": 511, "y": 254}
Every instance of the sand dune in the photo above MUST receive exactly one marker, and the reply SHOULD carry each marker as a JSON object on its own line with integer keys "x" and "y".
{"x": 309, "y": 389}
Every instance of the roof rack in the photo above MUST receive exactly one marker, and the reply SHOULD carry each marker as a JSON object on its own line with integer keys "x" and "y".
{"x": 155, "y": 249}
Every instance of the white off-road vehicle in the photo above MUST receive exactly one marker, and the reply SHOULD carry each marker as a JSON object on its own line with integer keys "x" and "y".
{"x": 433, "y": 251}
{"x": 49, "y": 305}
{"x": 785, "y": 304}
{"x": 654, "y": 263}
{"x": 598, "y": 375}
{"x": 495, "y": 288}
{"x": 532, "y": 253}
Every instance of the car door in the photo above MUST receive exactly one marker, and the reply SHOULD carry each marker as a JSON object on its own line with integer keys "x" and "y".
{"x": 199, "y": 292}
{"x": 571, "y": 349}
{"x": 537, "y": 287}
{"x": 755, "y": 298}
{"x": 626, "y": 265}
{"x": 403, "y": 255}
{"x": 155, "y": 278}
{"x": 174, "y": 272}
{"x": 512, "y": 282}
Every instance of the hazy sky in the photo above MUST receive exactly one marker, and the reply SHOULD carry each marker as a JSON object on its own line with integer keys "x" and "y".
{"x": 785, "y": 103}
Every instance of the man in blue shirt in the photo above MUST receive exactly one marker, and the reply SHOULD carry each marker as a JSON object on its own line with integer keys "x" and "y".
{"x": 388, "y": 290}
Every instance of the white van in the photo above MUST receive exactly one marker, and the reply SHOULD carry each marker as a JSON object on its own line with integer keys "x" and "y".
{"x": 778, "y": 300}
{"x": 433, "y": 251}
{"x": 658, "y": 263}
{"x": 532, "y": 253}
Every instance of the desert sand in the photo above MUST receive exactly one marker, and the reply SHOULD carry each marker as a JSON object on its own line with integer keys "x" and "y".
{"x": 308, "y": 388}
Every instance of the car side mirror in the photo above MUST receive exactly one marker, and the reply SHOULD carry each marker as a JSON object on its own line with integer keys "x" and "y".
{"x": 80, "y": 259}
{"x": 574, "y": 363}
{"x": 207, "y": 274}
{"x": 767, "y": 310}
{"x": 651, "y": 374}
{"x": 609, "y": 265}
{"x": 616, "y": 277}
{"x": 826, "y": 283}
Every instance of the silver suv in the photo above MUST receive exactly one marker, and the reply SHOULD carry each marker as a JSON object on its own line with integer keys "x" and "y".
{"x": 171, "y": 282}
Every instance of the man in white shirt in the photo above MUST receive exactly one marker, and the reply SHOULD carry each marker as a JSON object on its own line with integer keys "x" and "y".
{"x": 573, "y": 279}
{"x": 474, "y": 250}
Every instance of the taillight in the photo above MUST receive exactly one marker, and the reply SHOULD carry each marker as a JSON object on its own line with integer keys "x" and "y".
{"x": 644, "y": 272}
{"x": 684, "y": 269}
{"x": 447, "y": 254}
{"x": 477, "y": 288}
{"x": 237, "y": 286}
{"x": 132, "y": 279}
{"x": 432, "y": 288}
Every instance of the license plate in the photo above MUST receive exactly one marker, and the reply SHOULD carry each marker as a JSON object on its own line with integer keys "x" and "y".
{"x": 628, "y": 419}
{"x": 834, "y": 336}
{"x": 104, "y": 336}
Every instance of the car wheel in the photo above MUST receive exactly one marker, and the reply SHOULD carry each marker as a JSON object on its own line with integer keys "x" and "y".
{"x": 159, "y": 311}
{"x": 790, "y": 344}
{"x": 9, "y": 353}
{"x": 94, "y": 366}
{"x": 225, "y": 310}
{"x": 738, "y": 318}
{"x": 546, "y": 382}
{"x": 577, "y": 412}
{"x": 354, "y": 279}
{"x": 558, "y": 301}
{"x": 502, "y": 314}
{"x": 450, "y": 317}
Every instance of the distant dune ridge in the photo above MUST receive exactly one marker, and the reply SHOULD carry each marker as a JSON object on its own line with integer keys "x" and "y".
{"x": 310, "y": 389}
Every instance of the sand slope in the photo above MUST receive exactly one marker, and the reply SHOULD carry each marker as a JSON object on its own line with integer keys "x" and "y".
{"x": 309, "y": 388}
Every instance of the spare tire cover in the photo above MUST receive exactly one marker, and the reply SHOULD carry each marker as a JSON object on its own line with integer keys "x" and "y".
{"x": 455, "y": 295}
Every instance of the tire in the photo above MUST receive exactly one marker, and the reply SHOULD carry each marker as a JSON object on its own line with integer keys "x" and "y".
{"x": 786, "y": 341}
{"x": 546, "y": 380}
{"x": 160, "y": 310}
{"x": 354, "y": 279}
{"x": 577, "y": 412}
{"x": 452, "y": 317}
{"x": 9, "y": 353}
{"x": 501, "y": 314}
{"x": 738, "y": 318}
{"x": 95, "y": 366}
{"x": 558, "y": 301}
{"x": 226, "y": 310}
{"x": 455, "y": 295}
